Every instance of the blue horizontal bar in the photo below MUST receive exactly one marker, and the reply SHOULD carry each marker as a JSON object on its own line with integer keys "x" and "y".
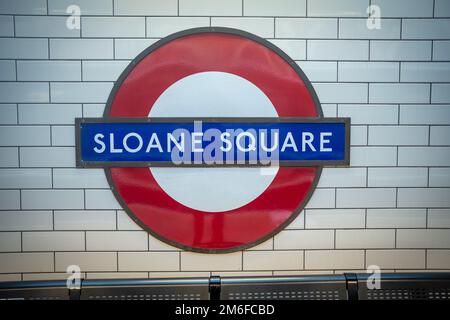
{"x": 212, "y": 142}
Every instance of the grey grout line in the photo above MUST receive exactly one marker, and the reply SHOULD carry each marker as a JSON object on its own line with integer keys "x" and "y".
{"x": 434, "y": 8}
{"x": 37, "y": 59}
{"x": 274, "y": 27}
{"x": 319, "y": 39}
{"x": 390, "y": 248}
{"x": 401, "y": 28}
{"x": 362, "y": 17}
{"x": 432, "y": 46}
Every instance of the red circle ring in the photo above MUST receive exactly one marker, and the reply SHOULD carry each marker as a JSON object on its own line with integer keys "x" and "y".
{"x": 200, "y": 50}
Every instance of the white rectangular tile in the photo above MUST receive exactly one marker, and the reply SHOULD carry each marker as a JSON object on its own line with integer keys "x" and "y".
{"x": 53, "y": 241}
{"x": 365, "y": 239}
{"x": 438, "y": 218}
{"x": 398, "y": 135}
{"x": 441, "y": 50}
{"x": 277, "y": 8}
{"x": 335, "y": 218}
{"x": 52, "y": 199}
{"x": 334, "y": 259}
{"x": 399, "y": 93}
{"x": 24, "y": 135}
{"x": 101, "y": 199}
{"x": 63, "y": 136}
{"x": 48, "y": 70}
{"x": 44, "y": 26}
{"x": 9, "y": 199}
{"x": 440, "y": 135}
{"x": 49, "y": 113}
{"x": 397, "y": 177}
{"x": 357, "y": 29}
{"x": 310, "y": 28}
{"x": 441, "y": 8}
{"x": 405, "y": 8}
{"x": 116, "y": 240}
{"x": 424, "y": 156}
{"x": 322, "y": 198}
{"x": 81, "y": 48}
{"x": 319, "y": 70}
{"x": 79, "y": 178}
{"x": 47, "y": 157}
{"x": 273, "y": 260}
{"x": 404, "y": 50}
{"x": 341, "y": 92}
{"x": 426, "y": 29}
{"x": 26, "y": 262}
{"x": 85, "y": 220}
{"x": 10, "y": 241}
{"x": 26, "y": 220}
{"x": 9, "y": 157}
{"x": 365, "y": 198}
{"x": 304, "y": 239}
{"x": 109, "y": 27}
{"x": 296, "y": 49}
{"x": 338, "y": 50}
{"x": 23, "y": 7}
{"x": 424, "y": 114}
{"x": 88, "y": 7}
{"x": 369, "y": 114}
{"x": 145, "y": 7}
{"x": 342, "y": 177}
{"x": 6, "y": 26}
{"x": 425, "y": 72}
{"x": 130, "y": 48}
{"x": 424, "y": 197}
{"x": 148, "y": 261}
{"x": 24, "y": 92}
{"x": 337, "y": 8}
{"x": 423, "y": 238}
{"x": 73, "y": 92}
{"x": 368, "y": 71}
{"x": 8, "y": 114}
{"x": 210, "y": 8}
{"x": 191, "y": 261}
{"x": 440, "y": 93}
{"x": 396, "y": 218}
{"x": 373, "y": 156}
{"x": 7, "y": 70}
{"x": 164, "y": 26}
{"x": 87, "y": 261}
{"x": 438, "y": 259}
{"x": 439, "y": 177}
{"x": 263, "y": 27}
{"x": 17, "y": 48}
{"x": 396, "y": 259}
{"x": 25, "y": 178}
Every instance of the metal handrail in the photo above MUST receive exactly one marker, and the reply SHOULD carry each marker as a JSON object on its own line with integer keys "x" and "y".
{"x": 215, "y": 283}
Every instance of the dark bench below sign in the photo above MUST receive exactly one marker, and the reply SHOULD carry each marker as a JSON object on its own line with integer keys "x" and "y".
{"x": 311, "y": 287}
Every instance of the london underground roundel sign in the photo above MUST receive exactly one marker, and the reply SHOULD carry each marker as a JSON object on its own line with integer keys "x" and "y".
{"x": 212, "y": 140}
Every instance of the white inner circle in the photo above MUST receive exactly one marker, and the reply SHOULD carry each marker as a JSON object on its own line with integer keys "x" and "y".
{"x": 213, "y": 94}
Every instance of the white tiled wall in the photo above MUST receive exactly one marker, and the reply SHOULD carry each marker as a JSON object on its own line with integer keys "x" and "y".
{"x": 390, "y": 208}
